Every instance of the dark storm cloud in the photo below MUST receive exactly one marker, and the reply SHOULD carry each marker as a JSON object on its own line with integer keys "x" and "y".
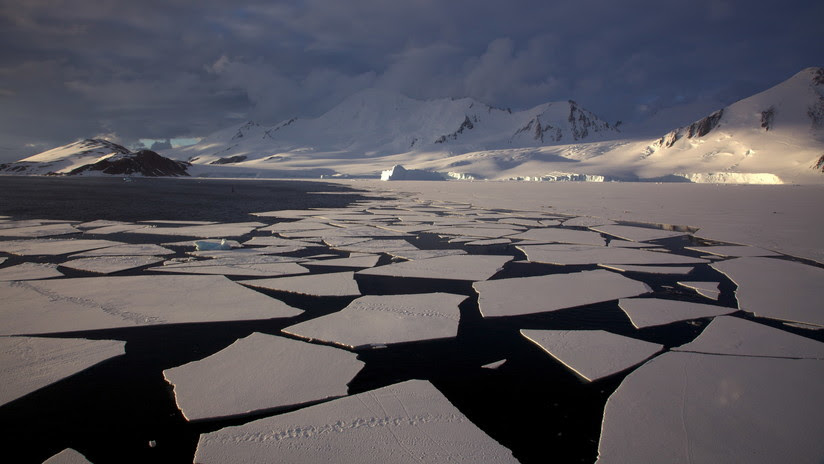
{"x": 165, "y": 69}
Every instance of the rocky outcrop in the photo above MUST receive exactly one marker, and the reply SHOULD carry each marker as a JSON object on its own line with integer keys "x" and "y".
{"x": 144, "y": 162}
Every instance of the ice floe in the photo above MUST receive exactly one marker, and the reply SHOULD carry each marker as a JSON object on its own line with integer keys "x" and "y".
{"x": 236, "y": 229}
{"x": 424, "y": 254}
{"x": 67, "y": 456}
{"x": 648, "y": 312}
{"x": 776, "y": 288}
{"x": 709, "y": 290}
{"x": 560, "y": 235}
{"x": 65, "y": 305}
{"x": 235, "y": 269}
{"x": 332, "y": 284}
{"x": 586, "y": 254}
{"x": 494, "y": 365}
{"x": 277, "y": 241}
{"x": 116, "y": 229}
{"x": 409, "y": 422}
{"x": 736, "y": 336}
{"x": 478, "y": 232}
{"x": 241, "y": 253}
{"x": 261, "y": 372}
{"x": 491, "y": 241}
{"x": 52, "y": 247}
{"x": 110, "y": 264}
{"x": 458, "y": 267}
{"x": 31, "y": 363}
{"x": 637, "y": 234}
{"x": 586, "y": 221}
{"x": 530, "y": 295}
{"x": 354, "y": 262}
{"x": 381, "y": 320}
{"x": 44, "y": 230}
{"x": 687, "y": 407}
{"x": 144, "y": 249}
{"x": 593, "y": 354}
{"x": 29, "y": 271}
{"x": 377, "y": 246}
{"x": 737, "y": 251}
{"x": 671, "y": 270}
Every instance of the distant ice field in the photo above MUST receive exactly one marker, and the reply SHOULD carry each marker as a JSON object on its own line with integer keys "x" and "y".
{"x": 438, "y": 312}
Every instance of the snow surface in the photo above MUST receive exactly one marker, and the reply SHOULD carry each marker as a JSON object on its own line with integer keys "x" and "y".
{"x": 376, "y": 320}
{"x": 587, "y": 254}
{"x": 260, "y": 372}
{"x": 686, "y": 407}
{"x": 592, "y": 354}
{"x": 29, "y": 271}
{"x": 28, "y": 364}
{"x": 332, "y": 284}
{"x": 44, "y": 230}
{"x": 648, "y": 312}
{"x": 143, "y": 249}
{"x": 409, "y": 422}
{"x": 457, "y": 267}
{"x": 67, "y": 456}
{"x": 775, "y": 288}
{"x": 530, "y": 295}
{"x": 110, "y": 264}
{"x": 636, "y": 234}
{"x": 52, "y": 247}
{"x": 561, "y": 235}
{"x": 64, "y": 305}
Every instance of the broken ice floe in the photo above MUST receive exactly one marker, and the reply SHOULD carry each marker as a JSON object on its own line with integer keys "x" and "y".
{"x": 44, "y": 230}
{"x": 709, "y": 290}
{"x": 31, "y": 363}
{"x": 530, "y": 295}
{"x": 277, "y": 241}
{"x": 381, "y": 320}
{"x": 586, "y": 254}
{"x": 488, "y": 242}
{"x": 637, "y": 234}
{"x": 477, "y": 232}
{"x": 67, "y": 456}
{"x": 29, "y": 271}
{"x": 256, "y": 267}
{"x": 586, "y": 221}
{"x": 494, "y": 365}
{"x": 110, "y": 264}
{"x": 458, "y": 267}
{"x": 671, "y": 270}
{"x": 376, "y": 246}
{"x": 65, "y": 305}
{"x": 776, "y": 288}
{"x": 354, "y": 262}
{"x": 424, "y": 254}
{"x": 687, "y": 407}
{"x": 116, "y": 229}
{"x": 648, "y": 312}
{"x": 52, "y": 247}
{"x": 144, "y": 249}
{"x": 242, "y": 253}
{"x": 592, "y": 354}
{"x": 738, "y": 251}
{"x": 333, "y": 284}
{"x": 560, "y": 235}
{"x": 736, "y": 336}
{"x": 409, "y": 422}
{"x": 236, "y": 229}
{"x": 261, "y": 372}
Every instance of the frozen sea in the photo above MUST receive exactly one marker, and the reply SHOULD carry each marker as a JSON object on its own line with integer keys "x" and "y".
{"x": 199, "y": 311}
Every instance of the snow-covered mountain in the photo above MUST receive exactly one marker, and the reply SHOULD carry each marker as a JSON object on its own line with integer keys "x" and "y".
{"x": 95, "y": 156}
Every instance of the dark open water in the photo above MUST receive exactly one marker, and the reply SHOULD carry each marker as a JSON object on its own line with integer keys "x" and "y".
{"x": 111, "y": 412}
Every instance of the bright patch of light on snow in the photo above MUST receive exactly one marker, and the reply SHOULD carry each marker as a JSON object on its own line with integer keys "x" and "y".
{"x": 648, "y": 312}
{"x": 458, "y": 267}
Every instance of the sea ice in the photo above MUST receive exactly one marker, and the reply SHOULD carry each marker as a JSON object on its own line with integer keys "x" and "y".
{"x": 354, "y": 262}
{"x": 737, "y": 251}
{"x": 44, "y": 230}
{"x": 709, "y": 290}
{"x": 491, "y": 241}
{"x": 110, "y": 264}
{"x": 65, "y": 305}
{"x": 333, "y": 284}
{"x": 586, "y": 254}
{"x": 277, "y": 241}
{"x": 560, "y": 235}
{"x": 240, "y": 253}
{"x": 381, "y": 320}
{"x": 687, "y": 407}
{"x": 618, "y": 243}
{"x": 29, "y": 271}
{"x": 637, "y": 234}
{"x": 31, "y": 363}
{"x": 586, "y": 221}
{"x": 261, "y": 372}
{"x": 298, "y": 226}
{"x": 100, "y": 223}
{"x": 592, "y": 354}
{"x": 458, "y": 267}
{"x": 423, "y": 254}
{"x": 52, "y": 247}
{"x": 478, "y": 232}
{"x": 143, "y": 249}
{"x": 377, "y": 246}
{"x": 776, "y": 288}
{"x": 494, "y": 365}
{"x": 409, "y": 422}
{"x": 116, "y": 229}
{"x": 736, "y": 336}
{"x": 236, "y": 229}
{"x": 529, "y": 295}
{"x": 672, "y": 270}
{"x": 234, "y": 268}
{"x": 67, "y": 456}
{"x": 648, "y": 312}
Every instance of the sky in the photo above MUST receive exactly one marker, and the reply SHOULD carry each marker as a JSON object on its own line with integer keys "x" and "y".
{"x": 177, "y": 69}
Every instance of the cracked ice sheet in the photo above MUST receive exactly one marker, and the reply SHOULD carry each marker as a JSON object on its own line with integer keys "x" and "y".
{"x": 559, "y": 235}
{"x": 687, "y": 407}
{"x": 228, "y": 383}
{"x": 737, "y": 251}
{"x": 240, "y": 253}
{"x": 530, "y": 295}
{"x": 380, "y": 320}
{"x": 477, "y": 232}
{"x": 637, "y": 234}
{"x": 234, "y": 268}
{"x": 355, "y": 262}
{"x": 586, "y": 221}
{"x": 377, "y": 246}
{"x": 110, "y": 264}
{"x": 90, "y": 303}
{"x": 409, "y": 422}
{"x": 146, "y": 249}
{"x": 649, "y": 269}
{"x": 736, "y": 336}
{"x": 333, "y": 284}
{"x": 277, "y": 241}
{"x": 458, "y": 267}
{"x": 777, "y": 289}
{"x": 424, "y": 254}
{"x": 592, "y": 354}
{"x": 648, "y": 312}
{"x": 709, "y": 290}
{"x": 44, "y": 230}
{"x": 67, "y": 456}
{"x": 52, "y": 247}
{"x": 585, "y": 254}
{"x": 235, "y": 229}
{"x": 29, "y": 271}
{"x": 28, "y": 364}
{"x": 116, "y": 229}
